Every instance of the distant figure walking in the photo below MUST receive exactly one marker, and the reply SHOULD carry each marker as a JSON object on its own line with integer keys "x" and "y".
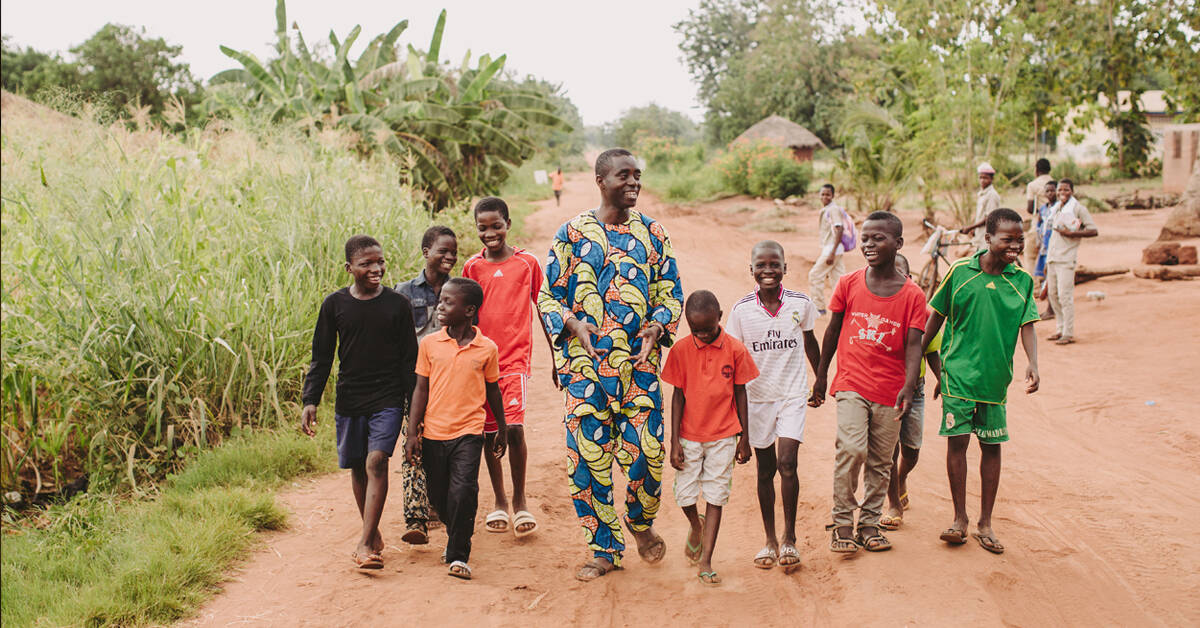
{"x": 556, "y": 184}
{"x": 987, "y": 200}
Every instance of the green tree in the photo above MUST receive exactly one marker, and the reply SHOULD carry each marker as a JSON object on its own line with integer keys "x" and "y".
{"x": 29, "y": 71}
{"x": 652, "y": 121}
{"x": 713, "y": 34}
{"x": 123, "y": 62}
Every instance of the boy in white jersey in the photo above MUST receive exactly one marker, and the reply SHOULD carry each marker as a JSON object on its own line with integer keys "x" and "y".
{"x": 773, "y": 323}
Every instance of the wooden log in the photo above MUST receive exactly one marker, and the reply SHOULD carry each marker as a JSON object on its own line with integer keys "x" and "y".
{"x": 1167, "y": 273}
{"x": 1084, "y": 274}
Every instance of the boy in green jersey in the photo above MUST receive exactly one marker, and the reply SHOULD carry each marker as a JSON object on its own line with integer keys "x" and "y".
{"x": 986, "y": 301}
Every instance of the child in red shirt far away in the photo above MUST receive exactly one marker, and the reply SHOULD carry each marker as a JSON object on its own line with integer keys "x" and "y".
{"x": 878, "y": 319}
{"x": 709, "y": 370}
{"x": 510, "y": 278}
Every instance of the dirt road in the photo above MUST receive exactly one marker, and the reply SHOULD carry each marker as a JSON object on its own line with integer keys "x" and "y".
{"x": 1097, "y": 504}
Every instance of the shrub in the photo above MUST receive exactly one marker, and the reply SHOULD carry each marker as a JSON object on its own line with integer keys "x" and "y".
{"x": 779, "y": 176}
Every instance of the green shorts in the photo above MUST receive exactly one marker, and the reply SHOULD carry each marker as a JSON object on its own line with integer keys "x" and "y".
{"x": 989, "y": 421}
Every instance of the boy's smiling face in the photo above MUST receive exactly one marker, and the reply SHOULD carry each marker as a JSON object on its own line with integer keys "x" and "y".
{"x": 493, "y": 229}
{"x": 452, "y": 308}
{"x": 442, "y": 255}
{"x": 1064, "y": 192}
{"x": 880, "y": 243}
{"x": 367, "y": 266}
{"x": 1007, "y": 243}
{"x": 768, "y": 267}
{"x": 826, "y": 196}
{"x": 705, "y": 324}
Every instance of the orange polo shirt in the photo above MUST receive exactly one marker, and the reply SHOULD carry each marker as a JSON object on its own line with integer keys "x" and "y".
{"x": 707, "y": 373}
{"x": 457, "y": 377}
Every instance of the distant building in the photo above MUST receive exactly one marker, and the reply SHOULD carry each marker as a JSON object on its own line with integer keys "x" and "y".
{"x": 1181, "y": 143}
{"x": 1092, "y": 148}
{"x": 780, "y": 131}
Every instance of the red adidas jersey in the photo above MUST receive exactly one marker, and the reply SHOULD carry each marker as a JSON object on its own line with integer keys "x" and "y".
{"x": 510, "y": 289}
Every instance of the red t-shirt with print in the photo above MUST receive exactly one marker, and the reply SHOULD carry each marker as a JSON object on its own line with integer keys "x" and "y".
{"x": 870, "y": 353}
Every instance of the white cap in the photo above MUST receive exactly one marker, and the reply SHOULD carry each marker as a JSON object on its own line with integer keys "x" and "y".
{"x": 985, "y": 168}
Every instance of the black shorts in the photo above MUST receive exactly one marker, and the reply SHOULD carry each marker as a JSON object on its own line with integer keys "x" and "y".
{"x": 557, "y": 193}
{"x": 359, "y": 435}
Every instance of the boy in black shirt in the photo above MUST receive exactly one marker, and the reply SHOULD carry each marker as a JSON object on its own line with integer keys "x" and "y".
{"x": 371, "y": 327}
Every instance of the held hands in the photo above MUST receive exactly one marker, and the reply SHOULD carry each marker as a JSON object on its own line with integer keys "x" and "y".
{"x": 583, "y": 331}
{"x": 500, "y": 445}
{"x": 650, "y": 336}
{"x": 743, "y": 450}
{"x": 829, "y": 260}
{"x": 1032, "y": 379}
{"x": 818, "y": 393}
{"x": 676, "y": 455}
{"x": 903, "y": 402}
{"x": 308, "y": 420}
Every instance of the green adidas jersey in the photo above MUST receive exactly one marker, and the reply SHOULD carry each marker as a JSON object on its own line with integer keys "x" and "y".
{"x": 984, "y": 315}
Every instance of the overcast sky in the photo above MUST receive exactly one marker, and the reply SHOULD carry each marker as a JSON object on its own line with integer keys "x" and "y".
{"x": 609, "y": 56}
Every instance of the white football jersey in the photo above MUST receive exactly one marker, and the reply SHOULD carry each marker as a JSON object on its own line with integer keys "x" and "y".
{"x": 776, "y": 342}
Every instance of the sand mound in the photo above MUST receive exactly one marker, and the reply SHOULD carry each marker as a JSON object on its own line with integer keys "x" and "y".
{"x": 1184, "y": 221}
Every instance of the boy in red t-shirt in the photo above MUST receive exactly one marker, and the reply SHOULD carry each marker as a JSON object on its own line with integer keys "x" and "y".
{"x": 878, "y": 318}
{"x": 510, "y": 278}
{"x": 709, "y": 370}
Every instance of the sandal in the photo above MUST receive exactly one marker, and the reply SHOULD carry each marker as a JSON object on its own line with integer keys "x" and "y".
{"x": 766, "y": 558}
{"x": 989, "y": 542}
{"x": 709, "y": 577}
{"x": 904, "y": 502}
{"x": 843, "y": 543}
{"x": 415, "y": 536}
{"x": 1054, "y": 336}
{"x": 369, "y": 562}
{"x": 876, "y": 542}
{"x": 1065, "y": 340}
{"x": 497, "y": 517}
{"x": 789, "y": 557}
{"x": 891, "y": 522}
{"x": 648, "y": 552}
{"x": 692, "y": 552}
{"x": 954, "y": 536}
{"x": 459, "y": 569}
{"x": 524, "y": 518}
{"x": 595, "y": 568}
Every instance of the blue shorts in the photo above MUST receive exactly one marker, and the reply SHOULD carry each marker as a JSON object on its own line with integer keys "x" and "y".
{"x": 1040, "y": 270}
{"x": 357, "y": 435}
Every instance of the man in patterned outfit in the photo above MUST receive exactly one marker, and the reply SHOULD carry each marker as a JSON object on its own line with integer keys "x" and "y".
{"x": 610, "y": 301}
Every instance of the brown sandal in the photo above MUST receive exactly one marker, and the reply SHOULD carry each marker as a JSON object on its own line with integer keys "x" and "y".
{"x": 843, "y": 543}
{"x": 595, "y": 568}
{"x": 876, "y": 542}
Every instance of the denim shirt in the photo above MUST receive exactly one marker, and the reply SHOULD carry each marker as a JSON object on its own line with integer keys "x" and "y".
{"x": 424, "y": 302}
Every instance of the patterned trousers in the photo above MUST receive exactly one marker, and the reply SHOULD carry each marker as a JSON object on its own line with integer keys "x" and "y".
{"x": 416, "y": 494}
{"x": 633, "y": 437}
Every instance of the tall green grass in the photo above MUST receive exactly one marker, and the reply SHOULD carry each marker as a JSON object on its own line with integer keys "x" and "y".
{"x": 160, "y": 290}
{"x": 101, "y": 561}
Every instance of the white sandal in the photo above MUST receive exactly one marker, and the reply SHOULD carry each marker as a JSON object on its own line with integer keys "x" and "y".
{"x": 522, "y": 518}
{"x": 495, "y": 516}
{"x": 459, "y": 569}
{"x": 769, "y": 553}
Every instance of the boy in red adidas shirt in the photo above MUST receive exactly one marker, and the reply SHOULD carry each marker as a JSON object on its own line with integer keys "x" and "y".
{"x": 510, "y": 278}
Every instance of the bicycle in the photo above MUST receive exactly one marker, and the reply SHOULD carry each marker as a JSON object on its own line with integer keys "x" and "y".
{"x": 940, "y": 240}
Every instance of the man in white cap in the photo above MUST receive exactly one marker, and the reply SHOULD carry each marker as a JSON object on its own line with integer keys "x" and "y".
{"x": 987, "y": 200}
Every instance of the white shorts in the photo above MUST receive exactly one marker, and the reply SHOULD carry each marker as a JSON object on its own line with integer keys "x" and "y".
{"x": 707, "y": 469}
{"x": 769, "y": 420}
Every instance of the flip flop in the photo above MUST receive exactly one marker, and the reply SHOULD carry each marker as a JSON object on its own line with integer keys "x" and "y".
{"x": 789, "y": 551}
{"x": 954, "y": 536}
{"x": 369, "y": 562}
{"x": 709, "y": 577}
{"x": 497, "y": 516}
{"x": 415, "y": 536}
{"x": 904, "y": 502}
{"x": 769, "y": 555}
{"x": 989, "y": 542}
{"x": 599, "y": 567}
{"x": 1065, "y": 340}
{"x": 647, "y": 553}
{"x": 891, "y": 522}
{"x": 459, "y": 569}
{"x": 524, "y": 517}
{"x": 692, "y": 552}
{"x": 1054, "y": 336}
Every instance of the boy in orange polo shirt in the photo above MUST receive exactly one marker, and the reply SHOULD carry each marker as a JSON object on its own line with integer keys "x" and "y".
{"x": 709, "y": 370}
{"x": 457, "y": 370}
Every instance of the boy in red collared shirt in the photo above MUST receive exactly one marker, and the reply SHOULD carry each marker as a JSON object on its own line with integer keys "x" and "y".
{"x": 709, "y": 370}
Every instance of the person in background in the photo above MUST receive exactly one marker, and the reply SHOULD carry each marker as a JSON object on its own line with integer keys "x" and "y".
{"x": 986, "y": 200}
{"x": 829, "y": 267}
{"x": 1069, "y": 225}
{"x": 1035, "y": 197}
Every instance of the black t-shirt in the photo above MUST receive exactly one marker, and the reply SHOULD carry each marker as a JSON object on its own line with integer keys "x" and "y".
{"x": 377, "y": 349}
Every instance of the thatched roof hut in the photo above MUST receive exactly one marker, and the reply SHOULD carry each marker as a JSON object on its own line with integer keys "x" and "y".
{"x": 783, "y": 132}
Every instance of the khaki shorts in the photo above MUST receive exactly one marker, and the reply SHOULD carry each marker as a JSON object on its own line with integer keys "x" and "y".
{"x": 707, "y": 470}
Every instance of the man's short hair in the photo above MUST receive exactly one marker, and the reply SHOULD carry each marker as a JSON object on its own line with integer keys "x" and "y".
{"x": 435, "y": 232}
{"x": 830, "y": 186}
{"x": 358, "y": 243}
{"x": 1042, "y": 166}
{"x": 1052, "y": 182}
{"x": 470, "y": 289}
{"x": 770, "y": 245}
{"x": 492, "y": 204}
{"x": 702, "y": 302}
{"x": 998, "y": 216}
{"x": 1070, "y": 183}
{"x": 893, "y": 221}
{"x": 604, "y": 161}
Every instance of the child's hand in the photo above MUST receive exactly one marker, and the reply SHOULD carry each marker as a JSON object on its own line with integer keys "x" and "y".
{"x": 1032, "y": 379}
{"x": 308, "y": 420}
{"x": 501, "y": 443}
{"x": 903, "y": 402}
{"x": 676, "y": 456}
{"x": 412, "y": 450}
{"x": 818, "y": 393}
{"x": 743, "y": 450}
{"x": 937, "y": 388}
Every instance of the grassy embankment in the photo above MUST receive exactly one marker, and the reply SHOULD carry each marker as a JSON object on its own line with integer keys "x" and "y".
{"x": 158, "y": 296}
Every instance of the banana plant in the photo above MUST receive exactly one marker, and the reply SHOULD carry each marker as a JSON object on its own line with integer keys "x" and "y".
{"x": 456, "y": 128}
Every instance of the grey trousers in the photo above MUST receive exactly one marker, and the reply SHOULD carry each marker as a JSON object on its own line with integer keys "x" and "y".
{"x": 866, "y": 436}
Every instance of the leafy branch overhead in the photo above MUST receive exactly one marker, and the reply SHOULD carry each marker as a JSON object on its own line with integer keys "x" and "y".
{"x": 458, "y": 128}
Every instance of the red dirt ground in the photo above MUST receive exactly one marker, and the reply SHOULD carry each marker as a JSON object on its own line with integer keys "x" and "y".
{"x": 1096, "y": 502}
